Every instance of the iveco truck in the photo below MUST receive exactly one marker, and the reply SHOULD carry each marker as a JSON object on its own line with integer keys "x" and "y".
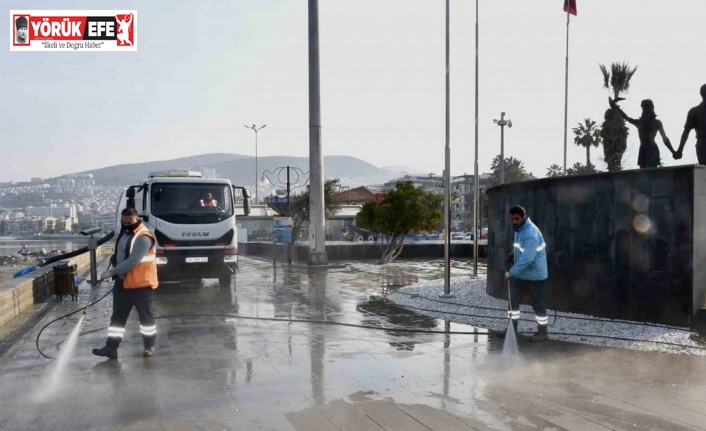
{"x": 193, "y": 219}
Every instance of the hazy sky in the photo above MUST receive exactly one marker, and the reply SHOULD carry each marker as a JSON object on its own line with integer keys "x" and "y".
{"x": 205, "y": 68}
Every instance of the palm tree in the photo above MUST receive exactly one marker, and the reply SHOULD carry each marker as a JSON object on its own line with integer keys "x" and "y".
{"x": 614, "y": 132}
{"x": 587, "y": 135}
{"x": 515, "y": 171}
{"x": 579, "y": 169}
{"x": 555, "y": 171}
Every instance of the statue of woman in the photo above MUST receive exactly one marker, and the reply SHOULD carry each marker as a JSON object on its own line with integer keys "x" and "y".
{"x": 647, "y": 127}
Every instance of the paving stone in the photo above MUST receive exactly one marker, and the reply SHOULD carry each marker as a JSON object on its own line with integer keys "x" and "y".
{"x": 214, "y": 373}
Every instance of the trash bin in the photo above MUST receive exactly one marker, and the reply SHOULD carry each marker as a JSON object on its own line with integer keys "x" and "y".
{"x": 66, "y": 281}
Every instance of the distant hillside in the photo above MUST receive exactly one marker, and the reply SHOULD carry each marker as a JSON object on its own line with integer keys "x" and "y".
{"x": 132, "y": 173}
{"x": 241, "y": 169}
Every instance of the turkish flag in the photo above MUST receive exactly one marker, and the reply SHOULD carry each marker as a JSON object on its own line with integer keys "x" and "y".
{"x": 570, "y": 6}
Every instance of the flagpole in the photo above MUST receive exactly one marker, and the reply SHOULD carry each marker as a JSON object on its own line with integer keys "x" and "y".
{"x": 476, "y": 185}
{"x": 566, "y": 84}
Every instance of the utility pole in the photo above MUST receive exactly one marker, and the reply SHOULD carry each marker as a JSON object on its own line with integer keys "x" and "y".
{"x": 447, "y": 172}
{"x": 476, "y": 184}
{"x": 317, "y": 233}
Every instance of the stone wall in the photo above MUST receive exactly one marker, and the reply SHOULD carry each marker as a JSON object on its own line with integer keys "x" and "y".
{"x": 626, "y": 245}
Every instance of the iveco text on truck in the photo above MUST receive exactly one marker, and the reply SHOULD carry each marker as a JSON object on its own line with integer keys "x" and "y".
{"x": 193, "y": 219}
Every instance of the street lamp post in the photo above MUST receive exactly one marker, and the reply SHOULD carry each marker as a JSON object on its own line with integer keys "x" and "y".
{"x": 255, "y": 129}
{"x": 502, "y": 122}
{"x": 317, "y": 212}
{"x": 447, "y": 171}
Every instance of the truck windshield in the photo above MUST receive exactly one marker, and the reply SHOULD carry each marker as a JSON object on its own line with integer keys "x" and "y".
{"x": 191, "y": 203}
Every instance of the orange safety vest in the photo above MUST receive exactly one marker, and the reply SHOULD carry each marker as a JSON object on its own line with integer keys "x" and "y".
{"x": 212, "y": 203}
{"x": 143, "y": 275}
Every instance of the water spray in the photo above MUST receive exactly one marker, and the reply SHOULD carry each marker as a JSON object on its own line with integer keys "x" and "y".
{"x": 510, "y": 344}
{"x": 83, "y": 316}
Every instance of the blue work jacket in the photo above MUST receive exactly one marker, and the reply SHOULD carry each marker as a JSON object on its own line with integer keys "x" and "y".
{"x": 530, "y": 253}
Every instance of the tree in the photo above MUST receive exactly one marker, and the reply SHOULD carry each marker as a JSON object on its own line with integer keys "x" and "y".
{"x": 614, "y": 132}
{"x": 514, "y": 171}
{"x": 405, "y": 209}
{"x": 587, "y": 135}
{"x": 579, "y": 169}
{"x": 333, "y": 201}
{"x": 554, "y": 171}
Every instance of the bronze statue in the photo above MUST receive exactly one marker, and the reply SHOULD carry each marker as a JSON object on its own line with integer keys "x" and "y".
{"x": 696, "y": 119}
{"x": 647, "y": 127}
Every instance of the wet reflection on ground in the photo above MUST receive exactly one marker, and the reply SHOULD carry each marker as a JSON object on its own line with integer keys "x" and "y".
{"x": 241, "y": 358}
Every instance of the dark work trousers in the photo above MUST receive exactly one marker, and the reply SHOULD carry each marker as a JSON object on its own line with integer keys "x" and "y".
{"x": 535, "y": 290}
{"x": 123, "y": 301}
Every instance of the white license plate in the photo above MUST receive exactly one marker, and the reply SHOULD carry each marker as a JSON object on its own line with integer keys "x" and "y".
{"x": 196, "y": 259}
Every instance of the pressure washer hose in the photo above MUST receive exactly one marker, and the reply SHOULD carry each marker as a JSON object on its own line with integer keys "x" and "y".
{"x": 329, "y": 322}
{"x": 271, "y": 319}
{"x": 352, "y": 325}
{"x": 84, "y": 309}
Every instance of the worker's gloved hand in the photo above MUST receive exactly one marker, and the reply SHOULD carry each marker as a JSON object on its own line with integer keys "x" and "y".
{"x": 106, "y": 275}
{"x": 508, "y": 276}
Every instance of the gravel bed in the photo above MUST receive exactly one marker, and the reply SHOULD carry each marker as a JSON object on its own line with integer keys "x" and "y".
{"x": 470, "y": 291}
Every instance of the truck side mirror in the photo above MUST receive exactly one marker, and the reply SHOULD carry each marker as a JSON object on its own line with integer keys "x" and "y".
{"x": 246, "y": 199}
{"x": 130, "y": 194}
{"x": 246, "y": 203}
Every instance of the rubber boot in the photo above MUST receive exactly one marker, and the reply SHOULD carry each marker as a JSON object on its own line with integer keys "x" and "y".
{"x": 540, "y": 335}
{"x": 148, "y": 341}
{"x": 110, "y": 350}
{"x": 502, "y": 334}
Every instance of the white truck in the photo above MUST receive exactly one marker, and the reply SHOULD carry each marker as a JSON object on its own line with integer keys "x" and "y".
{"x": 193, "y": 219}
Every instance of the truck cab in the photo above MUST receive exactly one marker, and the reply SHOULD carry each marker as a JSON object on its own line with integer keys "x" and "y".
{"x": 193, "y": 219}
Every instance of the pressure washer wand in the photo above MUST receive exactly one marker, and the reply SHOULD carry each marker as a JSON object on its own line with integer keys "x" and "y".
{"x": 508, "y": 262}
{"x": 90, "y": 300}
{"x": 509, "y": 298}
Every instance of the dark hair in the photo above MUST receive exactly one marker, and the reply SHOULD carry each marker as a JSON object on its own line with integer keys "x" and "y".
{"x": 128, "y": 212}
{"x": 703, "y": 91}
{"x": 518, "y": 210}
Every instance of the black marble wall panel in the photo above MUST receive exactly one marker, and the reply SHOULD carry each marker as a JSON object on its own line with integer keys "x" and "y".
{"x": 629, "y": 245}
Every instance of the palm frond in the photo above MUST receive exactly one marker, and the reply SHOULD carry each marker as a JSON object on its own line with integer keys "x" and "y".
{"x": 606, "y": 75}
{"x": 621, "y": 74}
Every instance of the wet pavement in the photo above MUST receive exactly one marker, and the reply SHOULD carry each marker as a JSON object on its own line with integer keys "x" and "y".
{"x": 216, "y": 370}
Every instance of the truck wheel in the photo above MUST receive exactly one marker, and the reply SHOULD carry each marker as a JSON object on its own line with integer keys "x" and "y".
{"x": 225, "y": 279}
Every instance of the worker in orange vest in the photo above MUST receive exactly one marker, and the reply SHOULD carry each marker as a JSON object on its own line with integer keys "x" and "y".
{"x": 135, "y": 274}
{"x": 209, "y": 201}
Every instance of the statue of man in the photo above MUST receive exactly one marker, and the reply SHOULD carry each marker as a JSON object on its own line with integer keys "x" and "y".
{"x": 696, "y": 119}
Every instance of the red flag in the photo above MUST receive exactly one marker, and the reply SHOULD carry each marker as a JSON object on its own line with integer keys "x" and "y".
{"x": 570, "y": 6}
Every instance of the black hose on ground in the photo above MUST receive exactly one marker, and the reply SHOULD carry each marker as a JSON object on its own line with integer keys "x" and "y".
{"x": 64, "y": 317}
{"x": 354, "y": 325}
